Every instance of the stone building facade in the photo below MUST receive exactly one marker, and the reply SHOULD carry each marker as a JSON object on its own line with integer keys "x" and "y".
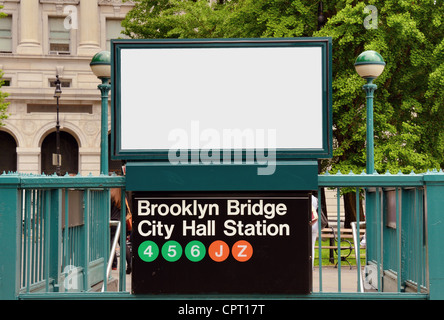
{"x": 39, "y": 40}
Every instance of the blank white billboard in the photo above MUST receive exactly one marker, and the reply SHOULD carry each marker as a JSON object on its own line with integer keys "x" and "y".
{"x": 201, "y": 97}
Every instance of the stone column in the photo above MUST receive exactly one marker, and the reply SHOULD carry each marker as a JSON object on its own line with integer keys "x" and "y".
{"x": 28, "y": 160}
{"x": 30, "y": 28}
{"x": 89, "y": 161}
{"x": 89, "y": 28}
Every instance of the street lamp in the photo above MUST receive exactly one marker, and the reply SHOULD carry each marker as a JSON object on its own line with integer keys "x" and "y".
{"x": 101, "y": 67}
{"x": 369, "y": 65}
{"x": 57, "y": 157}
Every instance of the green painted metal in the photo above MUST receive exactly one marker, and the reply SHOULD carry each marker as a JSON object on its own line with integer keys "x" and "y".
{"x": 369, "y": 57}
{"x": 374, "y": 180}
{"x": 47, "y": 231}
{"x": 54, "y": 236}
{"x": 122, "y": 277}
{"x": 338, "y": 218}
{"x": 313, "y": 296}
{"x": 41, "y": 248}
{"x": 435, "y": 230}
{"x": 104, "y": 88}
{"x": 378, "y": 236}
{"x": 413, "y": 193}
{"x": 10, "y": 226}
{"x": 358, "y": 260}
{"x": 27, "y": 253}
{"x": 398, "y": 248}
{"x": 101, "y": 58}
{"x": 66, "y": 232}
{"x": 410, "y": 250}
{"x": 85, "y": 243}
{"x": 320, "y": 205}
{"x": 369, "y": 89}
{"x": 398, "y": 238}
{"x": 162, "y": 176}
{"x": 58, "y": 182}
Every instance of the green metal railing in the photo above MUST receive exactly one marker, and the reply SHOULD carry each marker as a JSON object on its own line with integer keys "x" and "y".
{"x": 54, "y": 253}
{"x": 62, "y": 239}
{"x": 77, "y": 237}
{"x": 396, "y": 208}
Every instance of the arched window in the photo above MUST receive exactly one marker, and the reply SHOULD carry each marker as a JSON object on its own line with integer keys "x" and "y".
{"x": 8, "y": 153}
{"x": 69, "y": 149}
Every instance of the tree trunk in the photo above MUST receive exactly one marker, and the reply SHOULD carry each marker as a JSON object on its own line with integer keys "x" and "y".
{"x": 350, "y": 209}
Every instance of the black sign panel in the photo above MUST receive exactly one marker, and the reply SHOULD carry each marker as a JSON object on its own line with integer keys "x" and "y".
{"x": 221, "y": 243}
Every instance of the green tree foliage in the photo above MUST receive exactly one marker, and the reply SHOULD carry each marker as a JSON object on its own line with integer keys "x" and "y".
{"x": 405, "y": 139}
{"x": 3, "y": 95}
{"x": 408, "y": 109}
{"x": 176, "y": 19}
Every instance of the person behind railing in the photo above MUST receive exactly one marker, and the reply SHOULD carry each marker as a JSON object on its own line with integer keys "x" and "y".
{"x": 314, "y": 226}
{"x": 116, "y": 196}
{"x": 315, "y": 216}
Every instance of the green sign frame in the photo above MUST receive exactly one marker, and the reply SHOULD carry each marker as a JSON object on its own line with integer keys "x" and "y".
{"x": 120, "y": 46}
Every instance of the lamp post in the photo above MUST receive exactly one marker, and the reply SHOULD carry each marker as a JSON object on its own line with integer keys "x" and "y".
{"x": 101, "y": 67}
{"x": 369, "y": 65}
{"x": 57, "y": 159}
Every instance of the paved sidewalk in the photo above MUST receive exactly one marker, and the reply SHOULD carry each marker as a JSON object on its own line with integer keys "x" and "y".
{"x": 349, "y": 279}
{"x": 115, "y": 275}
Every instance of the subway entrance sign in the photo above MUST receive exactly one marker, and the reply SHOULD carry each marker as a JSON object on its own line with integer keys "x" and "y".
{"x": 222, "y": 139}
{"x": 224, "y": 243}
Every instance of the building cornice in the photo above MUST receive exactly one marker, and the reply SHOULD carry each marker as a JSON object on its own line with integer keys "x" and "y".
{"x": 72, "y": 95}
{"x": 116, "y": 3}
{"x": 63, "y": 2}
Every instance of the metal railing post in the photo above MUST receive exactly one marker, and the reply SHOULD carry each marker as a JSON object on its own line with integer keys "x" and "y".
{"x": 113, "y": 251}
{"x": 10, "y": 236}
{"x": 434, "y": 186}
{"x": 55, "y": 234}
{"x": 320, "y": 202}
{"x": 122, "y": 269}
{"x": 85, "y": 241}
